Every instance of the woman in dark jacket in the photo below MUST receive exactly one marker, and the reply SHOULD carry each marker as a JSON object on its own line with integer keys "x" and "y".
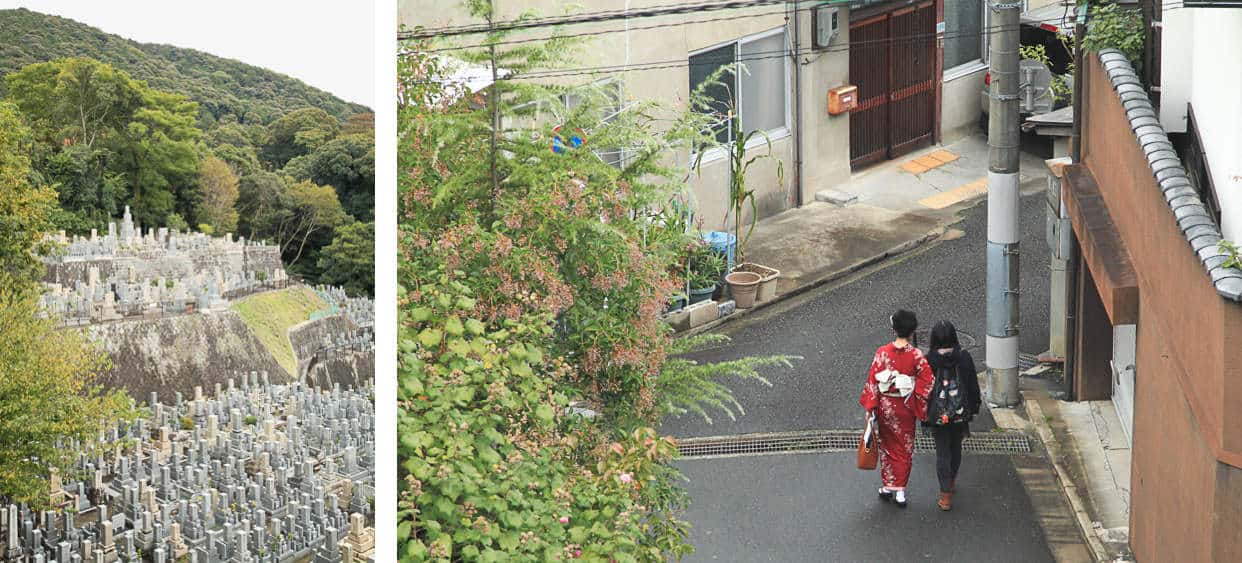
{"x": 949, "y": 417}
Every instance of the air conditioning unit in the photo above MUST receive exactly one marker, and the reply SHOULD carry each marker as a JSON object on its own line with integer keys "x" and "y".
{"x": 826, "y": 21}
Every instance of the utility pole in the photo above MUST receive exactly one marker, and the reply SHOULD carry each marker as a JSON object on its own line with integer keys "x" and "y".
{"x": 1003, "y": 203}
{"x": 493, "y": 97}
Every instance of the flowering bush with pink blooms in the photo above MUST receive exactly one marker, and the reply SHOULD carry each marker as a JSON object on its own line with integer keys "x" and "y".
{"x": 529, "y": 279}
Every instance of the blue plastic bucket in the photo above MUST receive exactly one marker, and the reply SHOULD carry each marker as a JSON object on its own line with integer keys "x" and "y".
{"x": 724, "y": 243}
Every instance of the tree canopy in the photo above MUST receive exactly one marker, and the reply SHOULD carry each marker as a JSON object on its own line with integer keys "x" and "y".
{"x": 48, "y": 402}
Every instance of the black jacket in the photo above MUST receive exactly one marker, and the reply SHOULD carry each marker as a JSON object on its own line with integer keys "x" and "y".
{"x": 967, "y": 378}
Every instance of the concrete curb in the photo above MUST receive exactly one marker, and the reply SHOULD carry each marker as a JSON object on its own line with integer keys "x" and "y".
{"x": 898, "y": 250}
{"x": 1036, "y": 416}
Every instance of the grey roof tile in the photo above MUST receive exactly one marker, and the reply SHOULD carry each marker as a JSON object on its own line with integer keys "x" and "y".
{"x": 1157, "y": 152}
{"x": 1202, "y": 236}
{"x": 1176, "y": 182}
{"x": 1213, "y": 261}
{"x": 1184, "y": 201}
{"x": 1124, "y": 79}
{"x": 1167, "y": 173}
{"x": 1194, "y": 220}
{"x": 1225, "y": 273}
{"x": 1160, "y": 165}
{"x": 1180, "y": 191}
{"x": 1143, "y": 121}
{"x": 1144, "y": 112}
{"x": 1130, "y": 88}
{"x": 1131, "y": 97}
{"x": 1230, "y": 288}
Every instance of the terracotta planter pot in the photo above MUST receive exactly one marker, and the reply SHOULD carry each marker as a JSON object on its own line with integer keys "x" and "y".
{"x": 767, "y": 280}
{"x": 743, "y": 286}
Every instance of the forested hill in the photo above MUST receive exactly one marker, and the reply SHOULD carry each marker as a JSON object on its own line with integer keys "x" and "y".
{"x": 220, "y": 86}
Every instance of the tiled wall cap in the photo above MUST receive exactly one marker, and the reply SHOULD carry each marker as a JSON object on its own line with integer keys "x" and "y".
{"x": 1194, "y": 219}
{"x": 1211, "y": 256}
{"x": 1197, "y": 226}
{"x": 1140, "y": 112}
{"x": 1202, "y": 236}
{"x": 1153, "y": 129}
{"x": 1144, "y": 121}
{"x": 1176, "y": 182}
{"x": 1118, "y": 66}
{"x": 1170, "y": 173}
{"x": 1180, "y": 191}
{"x": 1184, "y": 201}
{"x": 1164, "y": 164}
{"x": 1156, "y": 154}
{"x": 1230, "y": 288}
{"x": 1225, "y": 273}
{"x": 1215, "y": 260}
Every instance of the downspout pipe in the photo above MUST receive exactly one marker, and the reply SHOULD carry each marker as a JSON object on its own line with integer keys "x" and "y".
{"x": 797, "y": 48}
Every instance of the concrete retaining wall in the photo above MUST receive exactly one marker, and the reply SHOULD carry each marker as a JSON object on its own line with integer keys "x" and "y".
{"x": 178, "y": 353}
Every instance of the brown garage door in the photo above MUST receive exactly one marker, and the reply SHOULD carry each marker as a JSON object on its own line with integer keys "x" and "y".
{"x": 893, "y": 63}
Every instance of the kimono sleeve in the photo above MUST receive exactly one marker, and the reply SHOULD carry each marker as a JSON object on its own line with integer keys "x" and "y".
{"x": 870, "y": 398}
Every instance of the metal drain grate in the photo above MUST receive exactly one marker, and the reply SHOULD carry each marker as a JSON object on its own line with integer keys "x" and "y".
{"x": 1027, "y": 361}
{"x": 990, "y": 443}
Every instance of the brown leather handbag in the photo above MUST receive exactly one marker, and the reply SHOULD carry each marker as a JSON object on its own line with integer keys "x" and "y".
{"x": 868, "y": 448}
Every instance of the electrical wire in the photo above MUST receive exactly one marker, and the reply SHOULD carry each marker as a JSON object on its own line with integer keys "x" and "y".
{"x": 592, "y": 17}
{"x": 758, "y": 55}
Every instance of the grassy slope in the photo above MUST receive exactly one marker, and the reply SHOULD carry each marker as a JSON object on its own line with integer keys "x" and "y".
{"x": 271, "y": 314}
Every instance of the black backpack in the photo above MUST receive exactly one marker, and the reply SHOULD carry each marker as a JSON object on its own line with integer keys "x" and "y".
{"x": 947, "y": 404}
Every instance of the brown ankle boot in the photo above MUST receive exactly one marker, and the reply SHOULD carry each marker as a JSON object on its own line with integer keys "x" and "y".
{"x": 946, "y": 501}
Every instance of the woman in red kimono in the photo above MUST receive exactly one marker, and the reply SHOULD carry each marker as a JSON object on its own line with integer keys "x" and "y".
{"x": 896, "y": 393}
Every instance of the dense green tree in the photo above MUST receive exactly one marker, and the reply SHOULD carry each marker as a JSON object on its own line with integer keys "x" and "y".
{"x": 89, "y": 193}
{"x": 75, "y": 101}
{"x": 218, "y": 186}
{"x": 159, "y": 155}
{"x": 346, "y": 163}
{"x": 349, "y": 262}
{"x": 243, "y": 160}
{"x": 298, "y": 132}
{"x": 47, "y": 397}
{"x": 95, "y": 123}
{"x": 262, "y": 199}
{"x": 25, "y": 209}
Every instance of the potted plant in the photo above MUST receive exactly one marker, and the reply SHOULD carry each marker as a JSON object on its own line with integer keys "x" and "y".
{"x": 706, "y": 267}
{"x": 739, "y": 199}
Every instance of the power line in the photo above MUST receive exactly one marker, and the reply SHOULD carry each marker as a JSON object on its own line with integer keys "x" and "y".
{"x": 758, "y": 55}
{"x": 593, "y": 17}
{"x": 607, "y": 31}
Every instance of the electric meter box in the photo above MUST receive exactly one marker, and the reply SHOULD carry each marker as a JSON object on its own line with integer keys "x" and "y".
{"x": 825, "y": 20}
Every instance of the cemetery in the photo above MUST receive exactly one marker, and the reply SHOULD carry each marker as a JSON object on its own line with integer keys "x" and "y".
{"x": 132, "y": 273}
{"x": 258, "y": 472}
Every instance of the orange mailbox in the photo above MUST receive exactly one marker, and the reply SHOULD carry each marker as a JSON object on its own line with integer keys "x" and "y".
{"x": 842, "y": 99}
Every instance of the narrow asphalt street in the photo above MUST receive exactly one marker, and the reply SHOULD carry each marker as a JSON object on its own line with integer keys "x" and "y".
{"x": 818, "y": 506}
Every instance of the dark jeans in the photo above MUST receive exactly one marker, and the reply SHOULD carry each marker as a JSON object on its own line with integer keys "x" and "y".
{"x": 948, "y": 452}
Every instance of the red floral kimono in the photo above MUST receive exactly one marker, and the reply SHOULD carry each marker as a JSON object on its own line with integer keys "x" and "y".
{"x": 896, "y": 415}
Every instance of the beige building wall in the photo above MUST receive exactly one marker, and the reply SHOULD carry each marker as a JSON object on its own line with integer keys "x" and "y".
{"x": 669, "y": 45}
{"x": 961, "y": 104}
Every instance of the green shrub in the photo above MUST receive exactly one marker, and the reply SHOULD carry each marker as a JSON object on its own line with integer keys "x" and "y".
{"x": 1113, "y": 26}
{"x": 492, "y": 467}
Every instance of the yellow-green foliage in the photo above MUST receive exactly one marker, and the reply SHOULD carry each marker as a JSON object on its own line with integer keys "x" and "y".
{"x": 271, "y": 314}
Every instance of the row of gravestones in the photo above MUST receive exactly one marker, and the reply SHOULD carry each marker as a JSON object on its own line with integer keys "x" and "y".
{"x": 130, "y": 239}
{"x": 361, "y": 310}
{"x": 259, "y": 473}
{"x": 127, "y": 295}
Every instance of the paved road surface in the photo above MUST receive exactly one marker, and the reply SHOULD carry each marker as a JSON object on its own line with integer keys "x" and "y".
{"x": 817, "y": 507}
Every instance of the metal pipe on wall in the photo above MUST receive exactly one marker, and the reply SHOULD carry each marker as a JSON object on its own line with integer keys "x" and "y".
{"x": 797, "y": 99}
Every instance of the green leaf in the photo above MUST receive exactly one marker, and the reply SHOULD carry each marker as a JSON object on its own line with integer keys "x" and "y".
{"x": 453, "y": 326}
{"x": 544, "y": 413}
{"x": 475, "y": 327}
{"x": 420, "y": 314}
{"x": 430, "y": 337}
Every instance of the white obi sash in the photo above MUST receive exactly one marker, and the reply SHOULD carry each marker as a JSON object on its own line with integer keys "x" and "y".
{"x": 894, "y": 383}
